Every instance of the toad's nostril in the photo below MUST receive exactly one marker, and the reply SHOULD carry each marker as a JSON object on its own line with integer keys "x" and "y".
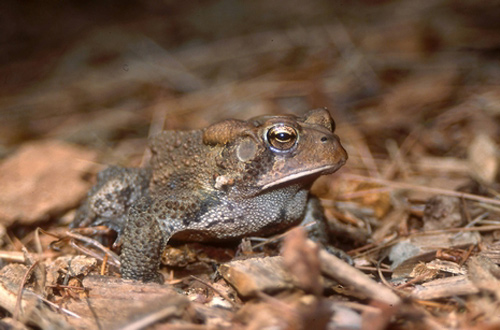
{"x": 324, "y": 139}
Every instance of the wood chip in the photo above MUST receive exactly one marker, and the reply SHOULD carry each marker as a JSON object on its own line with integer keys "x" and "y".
{"x": 302, "y": 261}
{"x": 113, "y": 302}
{"x": 30, "y": 310}
{"x": 108, "y": 302}
{"x": 257, "y": 274}
{"x": 481, "y": 273}
{"x": 445, "y": 287}
{"x": 407, "y": 253}
{"x": 348, "y": 275}
{"x": 491, "y": 251}
{"x": 42, "y": 179}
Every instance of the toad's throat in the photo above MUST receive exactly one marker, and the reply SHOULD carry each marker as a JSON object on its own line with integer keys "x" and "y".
{"x": 303, "y": 174}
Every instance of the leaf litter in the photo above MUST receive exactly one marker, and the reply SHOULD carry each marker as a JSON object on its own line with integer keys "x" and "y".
{"x": 414, "y": 91}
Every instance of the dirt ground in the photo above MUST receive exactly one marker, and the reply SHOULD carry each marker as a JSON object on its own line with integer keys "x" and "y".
{"x": 414, "y": 88}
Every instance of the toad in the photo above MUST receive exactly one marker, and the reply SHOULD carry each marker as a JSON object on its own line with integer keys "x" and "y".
{"x": 230, "y": 180}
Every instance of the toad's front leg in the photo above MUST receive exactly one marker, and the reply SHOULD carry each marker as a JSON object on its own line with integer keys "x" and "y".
{"x": 142, "y": 244}
{"x": 322, "y": 231}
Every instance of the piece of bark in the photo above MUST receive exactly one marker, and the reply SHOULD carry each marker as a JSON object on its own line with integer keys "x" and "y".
{"x": 379, "y": 316}
{"x": 348, "y": 275}
{"x": 216, "y": 317}
{"x": 113, "y": 303}
{"x": 108, "y": 303}
{"x": 42, "y": 180}
{"x": 482, "y": 272}
{"x": 491, "y": 251}
{"x": 422, "y": 248}
{"x": 29, "y": 309}
{"x": 257, "y": 274}
{"x": 291, "y": 311}
{"x": 56, "y": 270}
{"x": 444, "y": 287}
{"x": 302, "y": 261}
{"x": 427, "y": 271}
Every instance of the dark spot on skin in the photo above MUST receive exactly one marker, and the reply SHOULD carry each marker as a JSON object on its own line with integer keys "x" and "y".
{"x": 127, "y": 192}
{"x": 282, "y": 215}
{"x": 205, "y": 205}
{"x": 232, "y": 220}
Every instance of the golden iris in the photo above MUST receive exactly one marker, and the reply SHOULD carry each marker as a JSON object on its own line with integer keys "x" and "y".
{"x": 282, "y": 137}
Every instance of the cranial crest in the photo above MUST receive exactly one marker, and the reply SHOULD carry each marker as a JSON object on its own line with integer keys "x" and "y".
{"x": 224, "y": 131}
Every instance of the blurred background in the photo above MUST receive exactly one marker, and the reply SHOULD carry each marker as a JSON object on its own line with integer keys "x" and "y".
{"x": 95, "y": 72}
{"x": 413, "y": 87}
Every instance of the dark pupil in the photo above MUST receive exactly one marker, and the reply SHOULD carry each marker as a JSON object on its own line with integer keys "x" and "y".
{"x": 283, "y": 136}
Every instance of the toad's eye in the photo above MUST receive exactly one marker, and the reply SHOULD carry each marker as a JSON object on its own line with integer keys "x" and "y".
{"x": 282, "y": 137}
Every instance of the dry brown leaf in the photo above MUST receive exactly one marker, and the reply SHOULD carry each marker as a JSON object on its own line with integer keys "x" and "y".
{"x": 43, "y": 179}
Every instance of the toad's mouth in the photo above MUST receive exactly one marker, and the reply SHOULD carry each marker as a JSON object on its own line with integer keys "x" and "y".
{"x": 327, "y": 169}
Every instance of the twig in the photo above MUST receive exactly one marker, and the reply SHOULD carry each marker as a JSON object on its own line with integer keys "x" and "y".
{"x": 454, "y": 230}
{"x": 62, "y": 309}
{"x": 95, "y": 243}
{"x": 374, "y": 269}
{"x": 348, "y": 275}
{"x": 151, "y": 318}
{"x": 17, "y": 256}
{"x": 103, "y": 266}
{"x": 467, "y": 255}
{"x": 376, "y": 246}
{"x": 409, "y": 186}
{"x": 17, "y": 308}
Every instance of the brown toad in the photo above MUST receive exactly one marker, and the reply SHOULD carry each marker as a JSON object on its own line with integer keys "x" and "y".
{"x": 233, "y": 179}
